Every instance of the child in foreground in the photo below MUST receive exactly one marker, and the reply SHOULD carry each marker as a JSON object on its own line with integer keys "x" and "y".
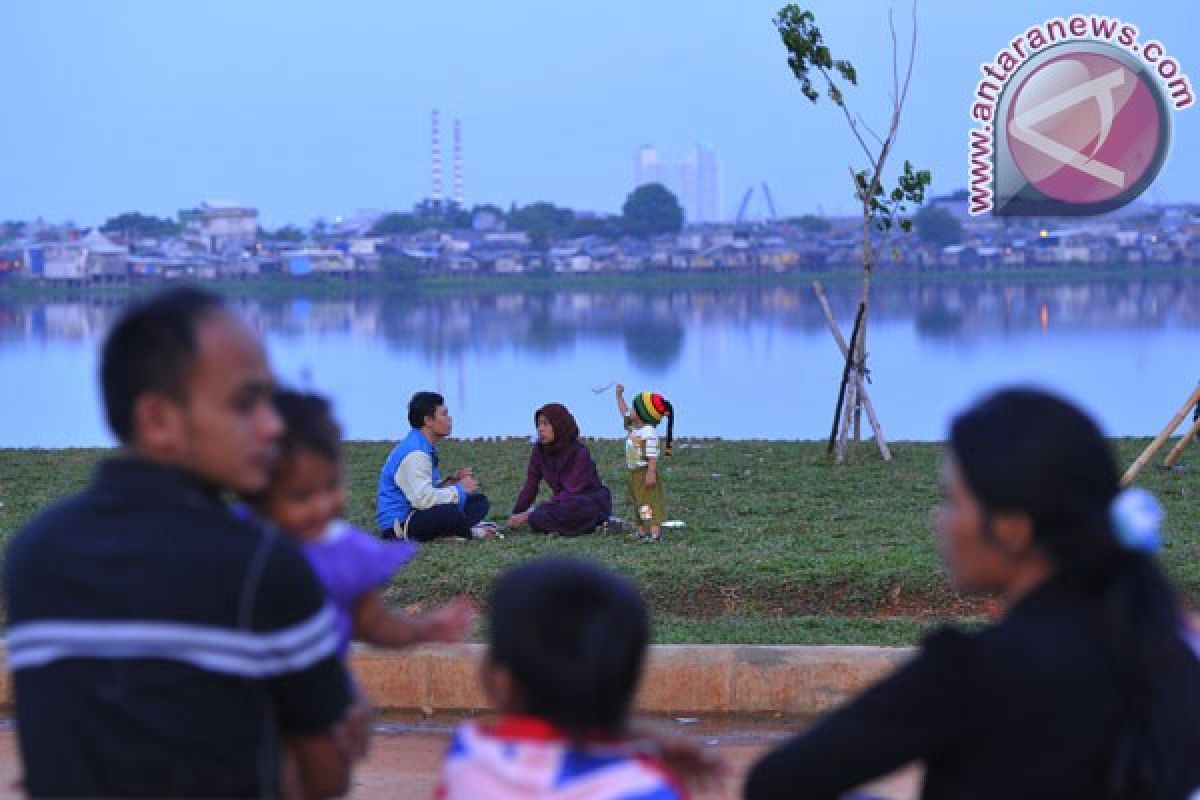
{"x": 566, "y": 641}
{"x": 305, "y": 500}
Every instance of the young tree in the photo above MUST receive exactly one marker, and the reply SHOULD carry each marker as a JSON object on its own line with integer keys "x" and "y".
{"x": 883, "y": 209}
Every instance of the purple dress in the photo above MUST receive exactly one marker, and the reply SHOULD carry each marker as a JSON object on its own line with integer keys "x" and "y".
{"x": 349, "y": 563}
{"x": 580, "y": 501}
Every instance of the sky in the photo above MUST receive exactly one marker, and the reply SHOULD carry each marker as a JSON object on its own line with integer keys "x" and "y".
{"x": 309, "y": 109}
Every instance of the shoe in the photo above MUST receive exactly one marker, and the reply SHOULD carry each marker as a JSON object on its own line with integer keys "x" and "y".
{"x": 486, "y": 530}
{"x": 649, "y": 537}
{"x": 615, "y": 525}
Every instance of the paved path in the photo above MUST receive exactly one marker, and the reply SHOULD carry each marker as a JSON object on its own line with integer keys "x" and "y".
{"x": 405, "y": 758}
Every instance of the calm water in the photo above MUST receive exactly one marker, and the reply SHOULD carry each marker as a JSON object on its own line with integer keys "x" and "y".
{"x": 745, "y": 362}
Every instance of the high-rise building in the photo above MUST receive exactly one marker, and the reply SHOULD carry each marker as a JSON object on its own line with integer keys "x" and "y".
{"x": 695, "y": 181}
{"x": 647, "y": 168}
{"x": 708, "y": 184}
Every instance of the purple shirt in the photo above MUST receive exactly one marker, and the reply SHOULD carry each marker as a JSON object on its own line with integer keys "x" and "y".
{"x": 349, "y": 563}
{"x": 570, "y": 474}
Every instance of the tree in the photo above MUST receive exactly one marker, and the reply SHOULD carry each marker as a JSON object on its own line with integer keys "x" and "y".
{"x": 651, "y": 209}
{"x": 10, "y": 229}
{"x": 937, "y": 226}
{"x": 135, "y": 225}
{"x": 610, "y": 227}
{"x": 544, "y": 222}
{"x": 809, "y": 59}
{"x": 812, "y": 224}
{"x": 397, "y": 223}
{"x": 288, "y": 233}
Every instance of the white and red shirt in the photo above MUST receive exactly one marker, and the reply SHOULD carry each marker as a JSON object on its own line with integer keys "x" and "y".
{"x": 525, "y": 758}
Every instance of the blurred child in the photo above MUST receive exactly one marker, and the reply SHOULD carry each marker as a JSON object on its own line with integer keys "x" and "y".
{"x": 305, "y": 500}
{"x": 566, "y": 641}
{"x": 646, "y": 488}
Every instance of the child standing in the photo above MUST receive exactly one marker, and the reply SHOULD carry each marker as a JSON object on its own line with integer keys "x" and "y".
{"x": 566, "y": 641}
{"x": 646, "y": 487}
{"x": 305, "y": 499}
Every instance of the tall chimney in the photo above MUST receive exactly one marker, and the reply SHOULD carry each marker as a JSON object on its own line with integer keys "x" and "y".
{"x": 437, "y": 161}
{"x": 458, "y": 171}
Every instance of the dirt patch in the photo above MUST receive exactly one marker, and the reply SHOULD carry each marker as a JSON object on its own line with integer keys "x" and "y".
{"x": 837, "y": 598}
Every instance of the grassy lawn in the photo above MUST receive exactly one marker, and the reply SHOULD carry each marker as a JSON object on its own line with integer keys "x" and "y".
{"x": 780, "y": 545}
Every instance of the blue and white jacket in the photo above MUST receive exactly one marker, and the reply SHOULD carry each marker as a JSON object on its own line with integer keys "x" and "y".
{"x": 409, "y": 481}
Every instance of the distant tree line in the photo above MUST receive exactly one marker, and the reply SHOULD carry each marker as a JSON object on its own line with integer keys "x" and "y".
{"x": 650, "y": 209}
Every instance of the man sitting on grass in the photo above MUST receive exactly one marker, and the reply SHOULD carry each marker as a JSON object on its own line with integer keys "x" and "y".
{"x": 413, "y": 501}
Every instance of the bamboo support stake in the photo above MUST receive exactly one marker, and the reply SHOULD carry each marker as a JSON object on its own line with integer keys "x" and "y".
{"x": 884, "y": 450}
{"x": 1152, "y": 448}
{"x": 1178, "y": 449}
{"x": 847, "y": 421}
{"x": 843, "y": 394}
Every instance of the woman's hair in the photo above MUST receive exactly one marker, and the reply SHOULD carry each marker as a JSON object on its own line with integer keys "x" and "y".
{"x": 572, "y": 635}
{"x": 1028, "y": 451}
{"x": 309, "y": 425}
{"x": 566, "y": 430}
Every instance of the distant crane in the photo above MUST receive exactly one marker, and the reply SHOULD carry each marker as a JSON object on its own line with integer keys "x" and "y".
{"x": 770, "y": 201}
{"x": 741, "y": 214}
{"x": 742, "y": 208}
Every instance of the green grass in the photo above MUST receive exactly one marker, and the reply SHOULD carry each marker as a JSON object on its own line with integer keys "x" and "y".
{"x": 780, "y": 545}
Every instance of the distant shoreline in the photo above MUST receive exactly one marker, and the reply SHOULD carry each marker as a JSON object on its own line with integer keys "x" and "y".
{"x": 602, "y": 281}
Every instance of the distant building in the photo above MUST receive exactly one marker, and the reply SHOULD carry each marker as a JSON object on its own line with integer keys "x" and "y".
{"x": 647, "y": 168}
{"x": 700, "y": 185}
{"x": 695, "y": 181}
{"x": 222, "y": 225}
{"x": 93, "y": 258}
{"x": 315, "y": 260}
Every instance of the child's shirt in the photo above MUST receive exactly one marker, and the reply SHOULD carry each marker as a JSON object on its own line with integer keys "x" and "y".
{"x": 640, "y": 445}
{"x": 526, "y": 758}
{"x": 349, "y": 563}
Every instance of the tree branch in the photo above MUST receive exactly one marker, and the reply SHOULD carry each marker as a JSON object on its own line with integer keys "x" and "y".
{"x": 912, "y": 57}
{"x": 863, "y": 122}
{"x": 846, "y": 111}
{"x": 895, "y": 63}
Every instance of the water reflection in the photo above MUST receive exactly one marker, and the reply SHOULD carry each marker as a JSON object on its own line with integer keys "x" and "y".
{"x": 497, "y": 353}
{"x": 652, "y": 325}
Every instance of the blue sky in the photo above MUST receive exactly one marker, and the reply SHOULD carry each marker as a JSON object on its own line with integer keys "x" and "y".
{"x": 310, "y": 109}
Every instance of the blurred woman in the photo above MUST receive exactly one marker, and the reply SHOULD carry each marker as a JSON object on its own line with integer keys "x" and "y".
{"x": 1085, "y": 688}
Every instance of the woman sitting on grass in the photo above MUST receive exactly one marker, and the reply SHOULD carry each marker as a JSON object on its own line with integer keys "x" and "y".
{"x": 1085, "y": 689}
{"x": 580, "y": 502}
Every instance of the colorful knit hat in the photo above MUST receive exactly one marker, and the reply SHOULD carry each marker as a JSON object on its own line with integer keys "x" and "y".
{"x": 651, "y": 408}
